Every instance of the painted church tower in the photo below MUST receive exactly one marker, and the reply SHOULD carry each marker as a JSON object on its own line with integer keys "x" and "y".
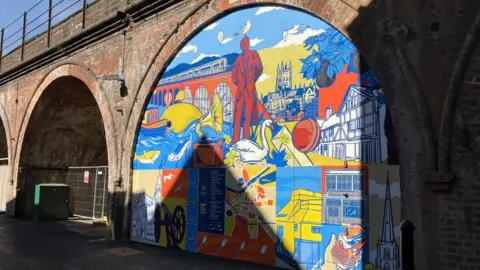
{"x": 284, "y": 77}
{"x": 388, "y": 256}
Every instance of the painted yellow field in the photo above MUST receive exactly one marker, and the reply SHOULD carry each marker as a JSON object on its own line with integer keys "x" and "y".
{"x": 271, "y": 57}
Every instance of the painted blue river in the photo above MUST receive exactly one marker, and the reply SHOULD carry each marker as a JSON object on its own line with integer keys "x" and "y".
{"x": 176, "y": 150}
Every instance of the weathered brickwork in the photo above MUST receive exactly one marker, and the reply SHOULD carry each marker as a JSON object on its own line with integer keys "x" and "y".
{"x": 96, "y": 12}
{"x": 411, "y": 45}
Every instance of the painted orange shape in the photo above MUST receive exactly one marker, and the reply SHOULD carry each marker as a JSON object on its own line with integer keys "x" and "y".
{"x": 174, "y": 183}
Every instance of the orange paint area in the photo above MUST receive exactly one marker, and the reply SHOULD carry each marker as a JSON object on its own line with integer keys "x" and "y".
{"x": 174, "y": 183}
{"x": 239, "y": 246}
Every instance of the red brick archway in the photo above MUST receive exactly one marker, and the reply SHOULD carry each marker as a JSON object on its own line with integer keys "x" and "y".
{"x": 85, "y": 76}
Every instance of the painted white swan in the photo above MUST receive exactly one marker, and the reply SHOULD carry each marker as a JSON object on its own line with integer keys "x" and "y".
{"x": 249, "y": 151}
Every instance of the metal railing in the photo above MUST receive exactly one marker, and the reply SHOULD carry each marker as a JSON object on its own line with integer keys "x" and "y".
{"x": 15, "y": 34}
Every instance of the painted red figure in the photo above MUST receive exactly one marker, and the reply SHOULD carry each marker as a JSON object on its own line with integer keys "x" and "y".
{"x": 246, "y": 71}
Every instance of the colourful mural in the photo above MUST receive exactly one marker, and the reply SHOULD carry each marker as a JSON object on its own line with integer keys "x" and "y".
{"x": 265, "y": 140}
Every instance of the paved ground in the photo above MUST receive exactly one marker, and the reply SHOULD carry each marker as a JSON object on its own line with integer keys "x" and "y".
{"x": 28, "y": 245}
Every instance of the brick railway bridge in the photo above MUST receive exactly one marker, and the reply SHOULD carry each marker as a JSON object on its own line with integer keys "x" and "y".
{"x": 74, "y": 96}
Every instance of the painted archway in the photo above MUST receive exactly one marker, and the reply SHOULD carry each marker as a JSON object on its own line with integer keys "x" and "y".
{"x": 271, "y": 187}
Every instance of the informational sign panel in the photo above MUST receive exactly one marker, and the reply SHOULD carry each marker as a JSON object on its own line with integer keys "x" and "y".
{"x": 211, "y": 201}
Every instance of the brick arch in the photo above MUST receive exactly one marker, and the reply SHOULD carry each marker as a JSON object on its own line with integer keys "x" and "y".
{"x": 6, "y": 126}
{"x": 411, "y": 123}
{"x": 86, "y": 76}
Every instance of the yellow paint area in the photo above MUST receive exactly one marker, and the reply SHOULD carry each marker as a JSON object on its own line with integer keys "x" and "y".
{"x": 319, "y": 160}
{"x": 302, "y": 212}
{"x": 181, "y": 115}
{"x": 271, "y": 57}
{"x": 144, "y": 181}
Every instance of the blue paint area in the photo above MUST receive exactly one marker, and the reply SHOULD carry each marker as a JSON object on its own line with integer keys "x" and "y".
{"x": 308, "y": 178}
{"x": 277, "y": 21}
{"x": 174, "y": 144}
{"x": 308, "y": 252}
{"x": 285, "y": 186}
{"x": 278, "y": 158}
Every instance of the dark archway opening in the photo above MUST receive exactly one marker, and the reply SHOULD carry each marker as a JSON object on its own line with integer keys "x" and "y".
{"x": 3, "y": 145}
{"x": 4, "y": 172}
{"x": 65, "y": 143}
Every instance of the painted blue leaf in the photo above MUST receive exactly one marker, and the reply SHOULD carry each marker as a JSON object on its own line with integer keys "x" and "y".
{"x": 318, "y": 65}
{"x": 278, "y": 158}
{"x": 311, "y": 72}
{"x": 304, "y": 68}
{"x": 330, "y": 71}
{"x": 338, "y": 64}
{"x": 337, "y": 38}
{"x": 311, "y": 40}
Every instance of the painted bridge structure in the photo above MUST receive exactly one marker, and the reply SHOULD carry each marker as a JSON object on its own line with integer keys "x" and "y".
{"x": 74, "y": 99}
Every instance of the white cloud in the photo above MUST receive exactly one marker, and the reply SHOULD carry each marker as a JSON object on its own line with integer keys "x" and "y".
{"x": 298, "y": 38}
{"x": 255, "y": 41}
{"x": 379, "y": 190}
{"x": 202, "y": 56}
{"x": 188, "y": 48}
{"x": 267, "y": 9}
{"x": 263, "y": 77}
{"x": 226, "y": 40}
{"x": 212, "y": 26}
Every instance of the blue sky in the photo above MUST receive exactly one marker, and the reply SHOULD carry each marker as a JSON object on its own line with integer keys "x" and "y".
{"x": 10, "y": 10}
{"x": 268, "y": 24}
{"x": 293, "y": 178}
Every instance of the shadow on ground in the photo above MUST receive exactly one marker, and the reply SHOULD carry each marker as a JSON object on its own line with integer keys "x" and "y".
{"x": 67, "y": 245}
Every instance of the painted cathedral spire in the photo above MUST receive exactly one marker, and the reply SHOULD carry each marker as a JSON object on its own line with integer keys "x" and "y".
{"x": 388, "y": 234}
{"x": 388, "y": 256}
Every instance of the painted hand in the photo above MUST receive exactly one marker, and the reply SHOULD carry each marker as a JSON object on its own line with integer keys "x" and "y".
{"x": 328, "y": 258}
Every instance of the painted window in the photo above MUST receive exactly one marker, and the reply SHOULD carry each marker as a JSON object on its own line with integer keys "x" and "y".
{"x": 344, "y": 182}
{"x": 331, "y": 182}
{"x": 357, "y": 183}
{"x": 227, "y": 103}
{"x": 316, "y": 229}
{"x": 387, "y": 253}
{"x": 280, "y": 234}
{"x": 202, "y": 102}
{"x": 295, "y": 227}
{"x": 333, "y": 212}
{"x": 188, "y": 95}
{"x": 352, "y": 209}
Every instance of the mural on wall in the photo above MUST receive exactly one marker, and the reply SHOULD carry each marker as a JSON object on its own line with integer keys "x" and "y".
{"x": 265, "y": 140}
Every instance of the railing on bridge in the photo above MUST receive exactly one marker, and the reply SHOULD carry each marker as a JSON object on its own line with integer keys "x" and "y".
{"x": 44, "y": 15}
